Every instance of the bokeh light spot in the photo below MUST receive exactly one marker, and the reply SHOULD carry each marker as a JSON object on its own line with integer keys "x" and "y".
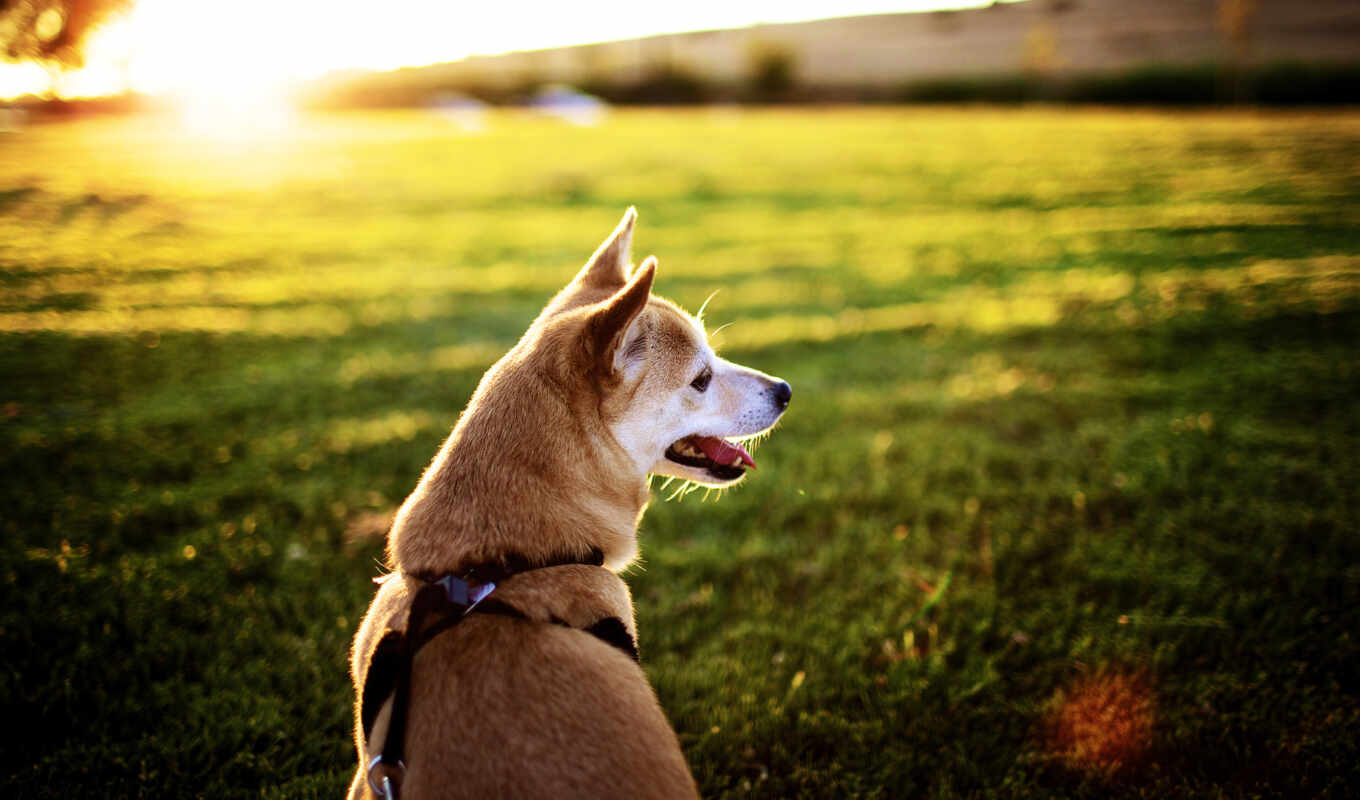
{"x": 49, "y": 24}
{"x": 1102, "y": 723}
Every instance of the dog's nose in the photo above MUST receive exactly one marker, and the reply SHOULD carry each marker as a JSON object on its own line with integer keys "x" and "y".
{"x": 782, "y": 391}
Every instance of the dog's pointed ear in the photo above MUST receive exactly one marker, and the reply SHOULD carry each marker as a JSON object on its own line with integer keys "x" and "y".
{"x": 612, "y": 335}
{"x": 608, "y": 267}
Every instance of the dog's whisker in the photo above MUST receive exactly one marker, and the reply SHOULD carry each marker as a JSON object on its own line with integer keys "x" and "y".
{"x": 700, "y": 315}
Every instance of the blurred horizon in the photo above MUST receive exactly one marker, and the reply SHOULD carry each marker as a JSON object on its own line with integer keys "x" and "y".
{"x": 167, "y": 48}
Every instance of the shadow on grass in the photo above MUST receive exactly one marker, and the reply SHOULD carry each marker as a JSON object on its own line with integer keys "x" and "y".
{"x": 10, "y": 198}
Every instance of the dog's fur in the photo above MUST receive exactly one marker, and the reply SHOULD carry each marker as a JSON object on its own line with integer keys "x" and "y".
{"x": 549, "y": 462}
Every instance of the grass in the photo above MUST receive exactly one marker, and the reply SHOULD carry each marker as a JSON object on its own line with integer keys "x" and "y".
{"x": 1064, "y": 504}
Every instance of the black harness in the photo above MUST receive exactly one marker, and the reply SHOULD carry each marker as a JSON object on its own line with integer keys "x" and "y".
{"x": 441, "y": 603}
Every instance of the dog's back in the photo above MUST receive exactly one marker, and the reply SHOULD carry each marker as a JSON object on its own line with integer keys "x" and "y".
{"x": 534, "y": 707}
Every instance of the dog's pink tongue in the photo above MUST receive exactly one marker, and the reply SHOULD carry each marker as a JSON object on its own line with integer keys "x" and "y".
{"x": 723, "y": 451}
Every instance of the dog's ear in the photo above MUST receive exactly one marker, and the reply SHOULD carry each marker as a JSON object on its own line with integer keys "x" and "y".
{"x": 608, "y": 267}
{"x": 612, "y": 333}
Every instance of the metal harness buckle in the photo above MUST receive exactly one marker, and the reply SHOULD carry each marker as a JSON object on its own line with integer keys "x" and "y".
{"x": 384, "y": 778}
{"x": 464, "y": 593}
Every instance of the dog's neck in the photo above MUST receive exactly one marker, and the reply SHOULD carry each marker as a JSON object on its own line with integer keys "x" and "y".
{"x": 513, "y": 481}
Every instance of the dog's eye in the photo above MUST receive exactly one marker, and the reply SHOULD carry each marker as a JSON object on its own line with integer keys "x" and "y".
{"x": 700, "y": 383}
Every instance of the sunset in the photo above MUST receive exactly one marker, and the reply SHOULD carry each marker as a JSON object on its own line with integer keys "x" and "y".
{"x": 382, "y": 389}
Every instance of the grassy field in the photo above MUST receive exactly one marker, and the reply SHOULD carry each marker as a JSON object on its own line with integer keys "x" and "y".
{"x": 1064, "y": 505}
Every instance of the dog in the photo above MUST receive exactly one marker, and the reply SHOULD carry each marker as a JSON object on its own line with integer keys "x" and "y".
{"x": 498, "y": 658}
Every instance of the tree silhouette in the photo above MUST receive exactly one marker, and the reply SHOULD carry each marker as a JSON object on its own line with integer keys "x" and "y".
{"x": 52, "y": 32}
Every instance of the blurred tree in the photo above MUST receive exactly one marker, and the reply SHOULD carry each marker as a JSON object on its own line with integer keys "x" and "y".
{"x": 1235, "y": 18}
{"x": 52, "y": 32}
{"x": 1042, "y": 57}
{"x": 772, "y": 68}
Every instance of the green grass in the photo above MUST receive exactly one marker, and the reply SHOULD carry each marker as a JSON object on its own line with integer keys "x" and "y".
{"x": 1064, "y": 504}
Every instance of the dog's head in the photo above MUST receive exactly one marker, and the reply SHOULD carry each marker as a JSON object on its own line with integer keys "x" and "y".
{"x": 671, "y": 404}
{"x": 608, "y": 385}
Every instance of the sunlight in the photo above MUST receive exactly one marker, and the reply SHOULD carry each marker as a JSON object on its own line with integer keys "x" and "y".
{"x": 108, "y": 61}
{"x": 20, "y": 79}
{"x": 345, "y": 435}
{"x": 182, "y": 47}
{"x": 192, "y": 51}
{"x": 247, "y": 113}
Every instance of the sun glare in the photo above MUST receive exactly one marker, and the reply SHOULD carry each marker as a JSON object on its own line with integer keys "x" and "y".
{"x": 197, "y": 48}
{"x": 245, "y": 114}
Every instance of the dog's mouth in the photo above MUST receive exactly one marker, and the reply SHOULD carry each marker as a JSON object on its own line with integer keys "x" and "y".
{"x": 720, "y": 458}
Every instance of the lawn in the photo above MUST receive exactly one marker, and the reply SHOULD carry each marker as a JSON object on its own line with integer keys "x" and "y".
{"x": 1064, "y": 504}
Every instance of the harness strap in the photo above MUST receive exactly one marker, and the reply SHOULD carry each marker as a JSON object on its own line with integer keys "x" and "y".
{"x": 447, "y": 600}
{"x": 508, "y": 564}
{"x": 428, "y": 600}
{"x": 611, "y": 631}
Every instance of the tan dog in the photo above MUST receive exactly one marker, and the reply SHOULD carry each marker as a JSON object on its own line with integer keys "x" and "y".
{"x": 543, "y": 479}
